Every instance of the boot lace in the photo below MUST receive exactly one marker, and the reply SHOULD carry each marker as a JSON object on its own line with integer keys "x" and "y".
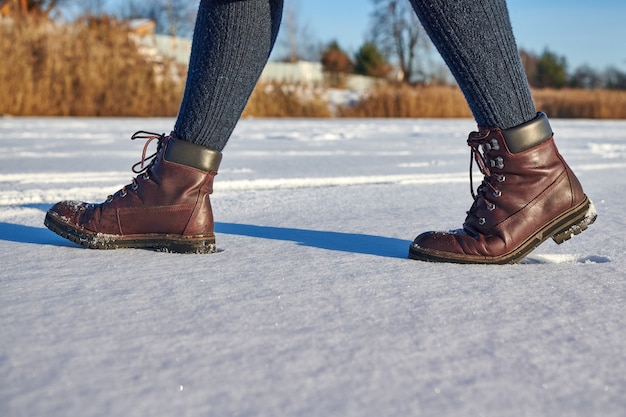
{"x": 146, "y": 162}
{"x": 482, "y": 148}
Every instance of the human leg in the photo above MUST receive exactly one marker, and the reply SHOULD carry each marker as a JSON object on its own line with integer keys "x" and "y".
{"x": 232, "y": 42}
{"x": 167, "y": 206}
{"x": 476, "y": 41}
{"x": 528, "y": 193}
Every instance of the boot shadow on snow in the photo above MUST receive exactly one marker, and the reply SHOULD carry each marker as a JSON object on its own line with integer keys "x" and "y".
{"x": 20, "y": 233}
{"x": 337, "y": 241}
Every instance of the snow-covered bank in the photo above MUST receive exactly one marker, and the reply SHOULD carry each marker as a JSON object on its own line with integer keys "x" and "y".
{"x": 310, "y": 307}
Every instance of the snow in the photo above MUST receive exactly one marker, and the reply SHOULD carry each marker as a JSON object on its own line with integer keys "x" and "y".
{"x": 310, "y": 307}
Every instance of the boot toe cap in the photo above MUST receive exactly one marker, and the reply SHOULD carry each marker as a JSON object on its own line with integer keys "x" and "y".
{"x": 440, "y": 241}
{"x": 67, "y": 211}
{"x": 450, "y": 246}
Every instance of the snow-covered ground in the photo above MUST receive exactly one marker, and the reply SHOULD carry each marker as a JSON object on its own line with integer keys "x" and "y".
{"x": 310, "y": 307}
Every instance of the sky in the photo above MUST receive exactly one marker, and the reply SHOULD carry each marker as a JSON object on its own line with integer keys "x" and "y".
{"x": 583, "y": 32}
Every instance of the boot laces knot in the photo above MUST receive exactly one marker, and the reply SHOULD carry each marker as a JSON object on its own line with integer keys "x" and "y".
{"x": 148, "y": 137}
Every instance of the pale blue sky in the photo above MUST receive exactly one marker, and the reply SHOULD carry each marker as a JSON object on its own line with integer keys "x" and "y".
{"x": 583, "y": 31}
{"x": 592, "y": 32}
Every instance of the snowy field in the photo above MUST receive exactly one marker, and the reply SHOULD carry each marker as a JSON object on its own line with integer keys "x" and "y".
{"x": 310, "y": 307}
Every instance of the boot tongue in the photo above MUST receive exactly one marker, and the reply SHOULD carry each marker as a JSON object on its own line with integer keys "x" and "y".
{"x": 529, "y": 134}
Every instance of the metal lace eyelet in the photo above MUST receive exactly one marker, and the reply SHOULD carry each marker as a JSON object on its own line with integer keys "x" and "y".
{"x": 109, "y": 199}
{"x": 497, "y": 163}
{"x": 501, "y": 178}
{"x": 491, "y": 207}
{"x": 123, "y": 193}
{"x": 497, "y": 193}
{"x": 134, "y": 187}
{"x": 146, "y": 176}
{"x": 494, "y": 144}
{"x": 482, "y": 221}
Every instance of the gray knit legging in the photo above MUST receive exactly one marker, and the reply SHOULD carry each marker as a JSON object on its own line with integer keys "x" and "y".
{"x": 233, "y": 39}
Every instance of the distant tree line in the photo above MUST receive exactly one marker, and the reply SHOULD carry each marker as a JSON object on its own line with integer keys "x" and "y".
{"x": 398, "y": 38}
{"x": 549, "y": 70}
{"x": 399, "y": 46}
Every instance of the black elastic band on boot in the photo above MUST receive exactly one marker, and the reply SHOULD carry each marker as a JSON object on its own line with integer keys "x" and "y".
{"x": 190, "y": 154}
{"x": 529, "y": 134}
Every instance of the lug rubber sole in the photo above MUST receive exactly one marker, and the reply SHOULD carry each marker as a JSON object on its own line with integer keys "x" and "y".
{"x": 158, "y": 242}
{"x": 560, "y": 229}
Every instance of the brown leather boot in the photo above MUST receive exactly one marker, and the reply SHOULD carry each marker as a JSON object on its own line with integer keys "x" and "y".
{"x": 528, "y": 195}
{"x": 166, "y": 208}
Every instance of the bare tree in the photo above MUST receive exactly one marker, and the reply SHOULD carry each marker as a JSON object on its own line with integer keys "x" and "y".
{"x": 172, "y": 17}
{"x": 180, "y": 15}
{"x": 294, "y": 38}
{"x": 398, "y": 33}
{"x": 290, "y": 26}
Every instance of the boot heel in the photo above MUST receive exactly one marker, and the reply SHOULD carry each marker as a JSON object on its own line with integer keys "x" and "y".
{"x": 191, "y": 246}
{"x": 580, "y": 222}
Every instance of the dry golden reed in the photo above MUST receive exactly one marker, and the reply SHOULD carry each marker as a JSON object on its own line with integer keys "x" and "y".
{"x": 90, "y": 68}
{"x": 588, "y": 104}
{"x": 93, "y": 68}
{"x": 410, "y": 101}
{"x": 446, "y": 101}
{"x": 284, "y": 100}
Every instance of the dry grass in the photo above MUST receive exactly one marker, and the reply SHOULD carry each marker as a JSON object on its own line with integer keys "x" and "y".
{"x": 90, "y": 68}
{"x": 442, "y": 101}
{"x": 591, "y": 104}
{"x": 284, "y": 100}
{"x": 407, "y": 101}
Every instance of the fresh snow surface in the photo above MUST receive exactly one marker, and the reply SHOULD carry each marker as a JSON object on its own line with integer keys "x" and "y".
{"x": 310, "y": 307}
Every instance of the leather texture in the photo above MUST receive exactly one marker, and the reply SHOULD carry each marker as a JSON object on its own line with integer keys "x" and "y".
{"x": 168, "y": 199}
{"x": 521, "y": 196}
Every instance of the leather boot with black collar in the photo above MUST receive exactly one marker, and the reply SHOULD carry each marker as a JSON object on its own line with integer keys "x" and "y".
{"x": 528, "y": 194}
{"x": 166, "y": 207}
